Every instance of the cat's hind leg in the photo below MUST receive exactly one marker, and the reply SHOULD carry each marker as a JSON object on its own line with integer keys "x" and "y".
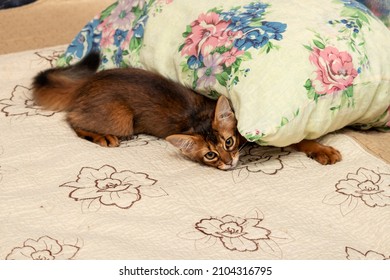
{"x": 107, "y": 140}
{"x": 103, "y": 125}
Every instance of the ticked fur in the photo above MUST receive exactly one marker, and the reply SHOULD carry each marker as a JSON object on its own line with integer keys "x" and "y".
{"x": 224, "y": 153}
{"x": 108, "y": 106}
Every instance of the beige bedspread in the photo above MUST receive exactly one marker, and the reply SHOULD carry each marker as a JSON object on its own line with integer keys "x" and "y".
{"x": 65, "y": 198}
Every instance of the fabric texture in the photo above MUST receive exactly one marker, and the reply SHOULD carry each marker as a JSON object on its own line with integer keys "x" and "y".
{"x": 292, "y": 71}
{"x": 63, "y": 197}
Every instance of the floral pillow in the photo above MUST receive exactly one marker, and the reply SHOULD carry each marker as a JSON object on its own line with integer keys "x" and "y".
{"x": 381, "y": 8}
{"x": 291, "y": 70}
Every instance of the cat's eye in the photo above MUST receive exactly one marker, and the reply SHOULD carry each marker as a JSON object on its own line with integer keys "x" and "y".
{"x": 229, "y": 143}
{"x": 210, "y": 156}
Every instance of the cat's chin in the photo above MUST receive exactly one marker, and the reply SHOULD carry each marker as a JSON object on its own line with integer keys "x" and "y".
{"x": 231, "y": 166}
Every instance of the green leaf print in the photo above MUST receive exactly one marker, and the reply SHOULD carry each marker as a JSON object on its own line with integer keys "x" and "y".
{"x": 319, "y": 44}
{"x": 284, "y": 121}
{"x": 108, "y": 11}
{"x": 222, "y": 78}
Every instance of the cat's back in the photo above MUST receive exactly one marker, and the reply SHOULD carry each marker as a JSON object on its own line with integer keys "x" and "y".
{"x": 137, "y": 83}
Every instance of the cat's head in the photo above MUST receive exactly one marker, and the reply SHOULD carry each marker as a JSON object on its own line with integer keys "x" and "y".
{"x": 219, "y": 147}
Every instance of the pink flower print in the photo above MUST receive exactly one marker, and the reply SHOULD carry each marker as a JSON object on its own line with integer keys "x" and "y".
{"x": 122, "y": 16}
{"x": 230, "y": 36}
{"x": 231, "y": 56}
{"x": 126, "y": 42}
{"x": 108, "y": 33}
{"x": 335, "y": 70}
{"x": 45, "y": 248}
{"x": 208, "y": 32}
{"x": 213, "y": 66}
{"x": 236, "y": 234}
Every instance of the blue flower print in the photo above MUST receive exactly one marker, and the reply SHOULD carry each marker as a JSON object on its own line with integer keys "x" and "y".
{"x": 274, "y": 29}
{"x": 228, "y": 15}
{"x": 357, "y": 5}
{"x": 76, "y": 47}
{"x": 139, "y": 28}
{"x": 118, "y": 57}
{"x": 119, "y": 37}
{"x": 194, "y": 62}
{"x": 117, "y": 33}
{"x": 252, "y": 39}
{"x": 218, "y": 43}
{"x": 239, "y": 22}
{"x": 87, "y": 38}
{"x": 256, "y": 10}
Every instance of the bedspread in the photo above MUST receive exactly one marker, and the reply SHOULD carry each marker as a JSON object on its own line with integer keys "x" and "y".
{"x": 62, "y": 197}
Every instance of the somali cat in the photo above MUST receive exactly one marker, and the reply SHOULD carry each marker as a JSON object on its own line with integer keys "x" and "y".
{"x": 111, "y": 105}
{"x": 108, "y": 106}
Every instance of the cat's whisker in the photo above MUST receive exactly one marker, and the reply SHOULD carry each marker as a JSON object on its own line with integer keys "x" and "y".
{"x": 242, "y": 147}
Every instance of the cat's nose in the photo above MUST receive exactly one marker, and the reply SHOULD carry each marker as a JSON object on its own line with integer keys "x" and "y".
{"x": 229, "y": 165}
{"x": 225, "y": 167}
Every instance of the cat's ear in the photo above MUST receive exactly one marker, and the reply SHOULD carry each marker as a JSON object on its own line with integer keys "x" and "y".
{"x": 183, "y": 142}
{"x": 223, "y": 109}
{"x": 224, "y": 117}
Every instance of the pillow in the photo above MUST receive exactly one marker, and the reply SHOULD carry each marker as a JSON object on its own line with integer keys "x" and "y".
{"x": 381, "y": 8}
{"x": 292, "y": 69}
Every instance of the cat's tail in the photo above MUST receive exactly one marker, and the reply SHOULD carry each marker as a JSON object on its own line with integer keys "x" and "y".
{"x": 55, "y": 89}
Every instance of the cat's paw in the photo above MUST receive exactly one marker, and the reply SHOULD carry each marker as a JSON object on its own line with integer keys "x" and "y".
{"x": 325, "y": 155}
{"x": 319, "y": 152}
{"x": 107, "y": 140}
{"x": 104, "y": 140}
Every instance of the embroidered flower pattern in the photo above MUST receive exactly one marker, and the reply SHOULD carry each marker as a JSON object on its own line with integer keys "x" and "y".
{"x": 44, "y": 248}
{"x": 257, "y": 159}
{"x": 109, "y": 187}
{"x": 238, "y": 234}
{"x": 218, "y": 41}
{"x": 49, "y": 56}
{"x": 143, "y": 140}
{"x": 235, "y": 233}
{"x": 373, "y": 188}
{"x": 22, "y": 104}
{"x": 353, "y": 254}
{"x": 117, "y": 33}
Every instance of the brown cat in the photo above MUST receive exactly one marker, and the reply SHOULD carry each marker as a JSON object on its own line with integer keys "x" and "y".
{"x": 107, "y": 106}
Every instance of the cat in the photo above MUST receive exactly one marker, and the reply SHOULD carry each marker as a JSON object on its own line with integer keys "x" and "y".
{"x": 108, "y": 106}
{"x": 111, "y": 105}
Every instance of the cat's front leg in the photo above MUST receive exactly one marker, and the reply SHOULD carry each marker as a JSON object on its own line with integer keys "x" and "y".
{"x": 319, "y": 152}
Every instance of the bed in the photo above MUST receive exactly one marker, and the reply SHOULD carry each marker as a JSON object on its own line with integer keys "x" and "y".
{"x": 66, "y": 198}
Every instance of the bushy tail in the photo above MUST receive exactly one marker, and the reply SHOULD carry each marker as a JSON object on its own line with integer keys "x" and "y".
{"x": 56, "y": 88}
